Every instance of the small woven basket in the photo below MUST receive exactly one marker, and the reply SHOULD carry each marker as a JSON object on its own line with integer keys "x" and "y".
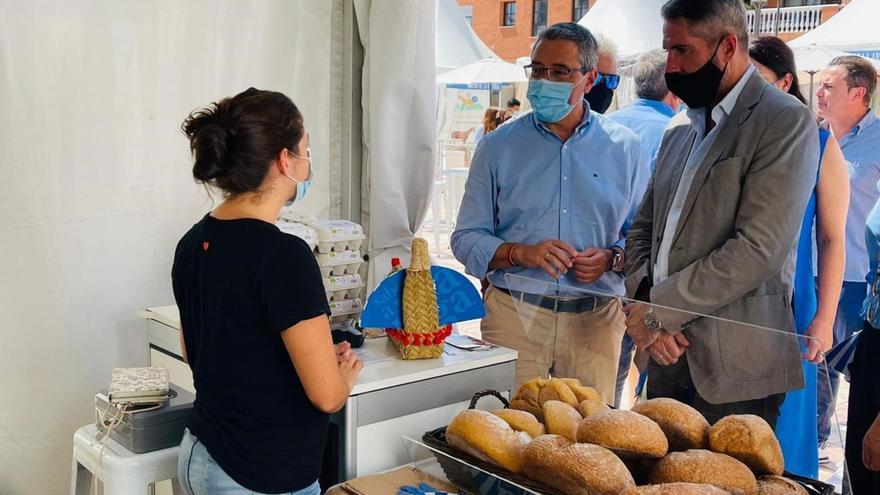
{"x": 422, "y": 336}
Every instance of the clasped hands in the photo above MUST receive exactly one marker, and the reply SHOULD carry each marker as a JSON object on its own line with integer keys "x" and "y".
{"x": 558, "y": 257}
{"x": 664, "y": 348}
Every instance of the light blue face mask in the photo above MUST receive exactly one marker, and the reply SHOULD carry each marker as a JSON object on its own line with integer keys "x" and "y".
{"x": 301, "y": 187}
{"x": 549, "y": 99}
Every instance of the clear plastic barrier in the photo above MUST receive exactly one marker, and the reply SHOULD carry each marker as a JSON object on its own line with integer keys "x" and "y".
{"x": 571, "y": 332}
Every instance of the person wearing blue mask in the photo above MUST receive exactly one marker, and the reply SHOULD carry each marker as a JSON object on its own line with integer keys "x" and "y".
{"x": 601, "y": 94}
{"x": 549, "y": 197}
{"x": 253, "y": 310}
{"x": 720, "y": 220}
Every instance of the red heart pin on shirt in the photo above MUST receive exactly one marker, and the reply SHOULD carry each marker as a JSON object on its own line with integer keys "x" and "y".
{"x": 205, "y": 245}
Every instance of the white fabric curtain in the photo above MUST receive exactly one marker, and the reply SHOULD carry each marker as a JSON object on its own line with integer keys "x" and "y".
{"x": 97, "y": 184}
{"x": 399, "y": 128}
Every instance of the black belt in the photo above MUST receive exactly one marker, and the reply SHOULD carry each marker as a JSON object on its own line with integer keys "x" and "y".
{"x": 557, "y": 305}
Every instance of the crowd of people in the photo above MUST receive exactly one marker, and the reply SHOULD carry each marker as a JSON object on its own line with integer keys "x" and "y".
{"x": 717, "y": 192}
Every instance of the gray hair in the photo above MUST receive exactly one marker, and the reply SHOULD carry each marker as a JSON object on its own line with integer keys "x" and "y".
{"x": 579, "y": 35}
{"x": 649, "y": 75}
{"x": 711, "y": 19}
{"x": 606, "y": 46}
{"x": 859, "y": 74}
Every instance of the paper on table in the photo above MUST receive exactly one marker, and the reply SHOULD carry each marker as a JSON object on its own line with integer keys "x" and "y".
{"x": 372, "y": 357}
{"x": 468, "y": 343}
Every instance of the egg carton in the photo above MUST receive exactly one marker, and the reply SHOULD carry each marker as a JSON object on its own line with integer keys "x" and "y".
{"x": 339, "y": 263}
{"x": 343, "y": 287}
{"x": 303, "y": 231}
{"x": 347, "y": 309}
{"x": 338, "y": 235}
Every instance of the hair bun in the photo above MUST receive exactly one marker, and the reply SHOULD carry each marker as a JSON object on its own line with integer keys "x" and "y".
{"x": 210, "y": 146}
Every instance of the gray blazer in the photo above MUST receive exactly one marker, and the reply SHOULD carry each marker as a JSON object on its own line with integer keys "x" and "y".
{"x": 733, "y": 251}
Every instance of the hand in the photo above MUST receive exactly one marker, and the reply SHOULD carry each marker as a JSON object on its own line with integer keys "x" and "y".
{"x": 871, "y": 446}
{"x": 350, "y": 369}
{"x": 553, "y": 255}
{"x": 591, "y": 264}
{"x": 822, "y": 334}
{"x": 667, "y": 349}
{"x": 343, "y": 351}
{"x": 635, "y": 325}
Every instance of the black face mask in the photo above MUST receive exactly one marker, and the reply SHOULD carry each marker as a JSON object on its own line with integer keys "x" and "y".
{"x": 700, "y": 87}
{"x": 600, "y": 97}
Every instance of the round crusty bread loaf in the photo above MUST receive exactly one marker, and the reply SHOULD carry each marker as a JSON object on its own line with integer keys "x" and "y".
{"x": 557, "y": 389}
{"x": 575, "y": 468}
{"x": 676, "y": 489}
{"x": 590, "y": 407}
{"x": 703, "y": 466}
{"x": 561, "y": 419}
{"x": 489, "y": 438}
{"x": 684, "y": 426}
{"x": 630, "y": 435}
{"x": 777, "y": 485}
{"x": 526, "y": 398}
{"x": 749, "y": 439}
{"x": 521, "y": 421}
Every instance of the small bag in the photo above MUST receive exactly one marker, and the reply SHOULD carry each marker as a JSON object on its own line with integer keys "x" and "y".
{"x": 138, "y": 386}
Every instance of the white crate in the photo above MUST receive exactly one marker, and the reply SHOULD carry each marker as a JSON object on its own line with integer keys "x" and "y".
{"x": 303, "y": 231}
{"x": 343, "y": 286}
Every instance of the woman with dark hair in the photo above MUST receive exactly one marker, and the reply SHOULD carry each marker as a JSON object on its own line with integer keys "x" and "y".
{"x": 815, "y": 295}
{"x": 253, "y": 310}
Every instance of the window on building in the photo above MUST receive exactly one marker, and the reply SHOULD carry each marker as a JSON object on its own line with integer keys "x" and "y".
{"x": 508, "y": 17}
{"x": 539, "y": 16}
{"x": 579, "y": 9}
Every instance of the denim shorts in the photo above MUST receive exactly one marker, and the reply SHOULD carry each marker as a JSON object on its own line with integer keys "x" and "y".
{"x": 199, "y": 474}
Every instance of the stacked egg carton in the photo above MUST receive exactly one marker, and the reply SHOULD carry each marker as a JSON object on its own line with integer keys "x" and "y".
{"x": 337, "y": 245}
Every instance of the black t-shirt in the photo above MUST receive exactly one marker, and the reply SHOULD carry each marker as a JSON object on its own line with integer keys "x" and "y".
{"x": 238, "y": 285}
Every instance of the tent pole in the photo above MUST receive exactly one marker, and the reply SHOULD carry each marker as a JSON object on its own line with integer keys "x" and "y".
{"x": 776, "y": 20}
{"x": 811, "y": 90}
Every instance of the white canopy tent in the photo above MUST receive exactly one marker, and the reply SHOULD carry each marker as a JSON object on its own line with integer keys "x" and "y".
{"x": 635, "y": 25}
{"x": 488, "y": 70}
{"x": 852, "y": 29}
{"x": 89, "y": 229}
{"x": 457, "y": 43}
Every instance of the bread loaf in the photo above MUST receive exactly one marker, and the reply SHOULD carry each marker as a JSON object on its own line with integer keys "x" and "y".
{"x": 489, "y": 438}
{"x": 590, "y": 407}
{"x": 685, "y": 428}
{"x": 521, "y": 421}
{"x": 630, "y": 435}
{"x": 556, "y": 389}
{"x": 582, "y": 393}
{"x": 561, "y": 419}
{"x": 751, "y": 440}
{"x": 575, "y": 468}
{"x": 702, "y": 466}
{"x": 777, "y": 485}
{"x": 676, "y": 489}
{"x": 526, "y": 398}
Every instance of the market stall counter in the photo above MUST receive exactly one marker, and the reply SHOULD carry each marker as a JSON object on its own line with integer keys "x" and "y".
{"x": 393, "y": 397}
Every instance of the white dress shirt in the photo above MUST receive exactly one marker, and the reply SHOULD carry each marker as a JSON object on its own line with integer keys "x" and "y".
{"x": 701, "y": 144}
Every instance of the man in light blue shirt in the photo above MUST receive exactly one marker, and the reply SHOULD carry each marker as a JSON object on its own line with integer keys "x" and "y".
{"x": 655, "y": 106}
{"x": 647, "y": 117}
{"x": 545, "y": 212}
{"x": 843, "y": 99}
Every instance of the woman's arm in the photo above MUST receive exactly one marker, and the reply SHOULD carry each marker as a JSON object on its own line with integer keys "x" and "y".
{"x": 832, "y": 204}
{"x": 327, "y": 382}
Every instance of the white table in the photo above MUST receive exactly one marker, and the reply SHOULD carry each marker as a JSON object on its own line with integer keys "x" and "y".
{"x": 393, "y": 397}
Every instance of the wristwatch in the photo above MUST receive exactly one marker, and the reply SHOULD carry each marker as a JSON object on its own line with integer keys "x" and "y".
{"x": 651, "y": 321}
{"x": 617, "y": 259}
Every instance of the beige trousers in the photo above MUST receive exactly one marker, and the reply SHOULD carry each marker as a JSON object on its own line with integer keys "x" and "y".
{"x": 584, "y": 345}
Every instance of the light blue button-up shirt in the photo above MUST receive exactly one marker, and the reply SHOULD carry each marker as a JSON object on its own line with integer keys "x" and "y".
{"x": 648, "y": 119}
{"x": 526, "y": 185}
{"x": 861, "y": 150}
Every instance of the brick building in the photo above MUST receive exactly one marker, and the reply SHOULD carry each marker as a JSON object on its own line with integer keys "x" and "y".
{"x": 509, "y": 27}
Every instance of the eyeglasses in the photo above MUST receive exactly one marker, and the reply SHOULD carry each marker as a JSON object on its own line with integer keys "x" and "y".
{"x": 611, "y": 80}
{"x": 553, "y": 73}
